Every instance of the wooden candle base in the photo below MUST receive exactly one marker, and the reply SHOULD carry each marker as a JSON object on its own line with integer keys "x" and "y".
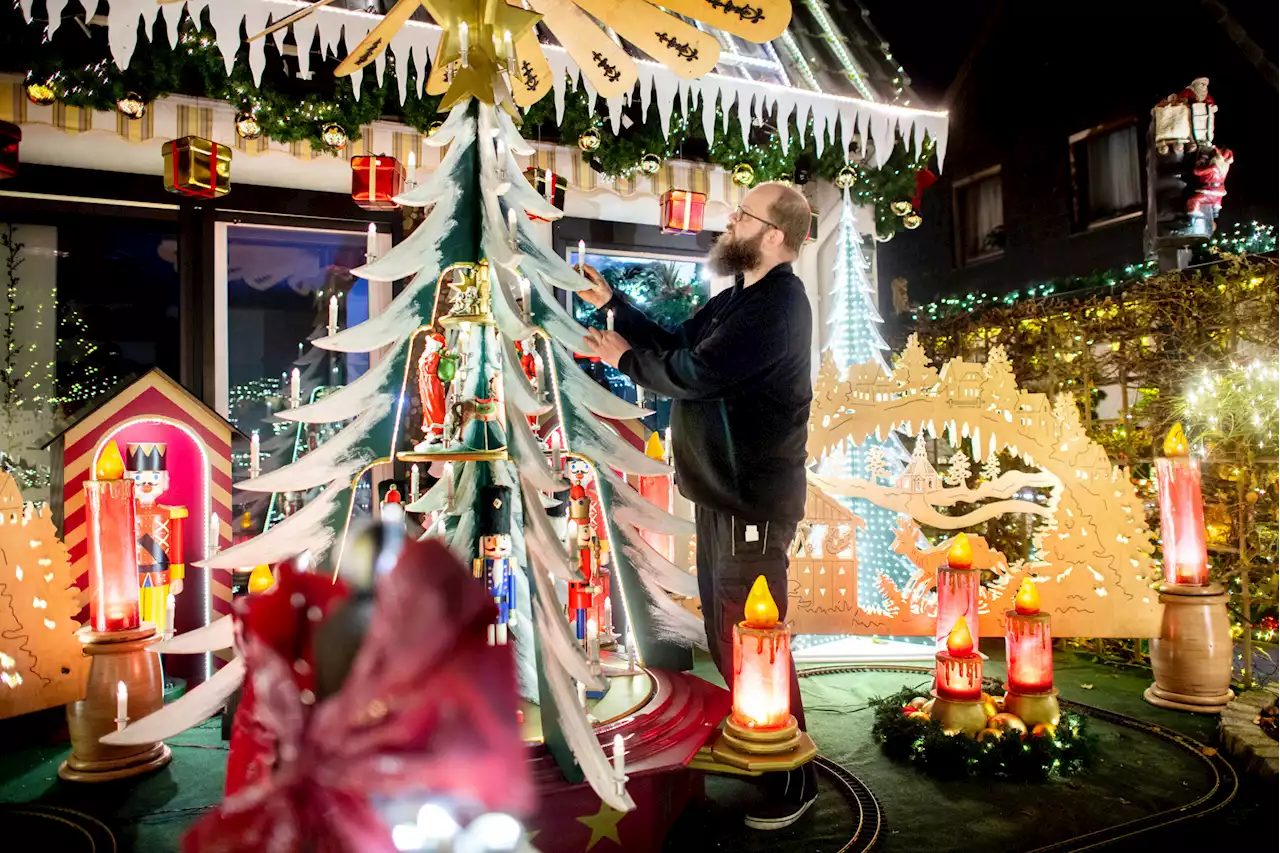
{"x": 784, "y": 748}
{"x": 958, "y": 716}
{"x": 116, "y": 656}
{"x": 1033, "y": 708}
{"x": 1191, "y": 659}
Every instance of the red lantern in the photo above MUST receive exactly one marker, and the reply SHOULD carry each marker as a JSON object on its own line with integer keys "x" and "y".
{"x": 547, "y": 184}
{"x": 958, "y": 584}
{"x": 959, "y": 666}
{"x": 682, "y": 211}
{"x": 376, "y": 181}
{"x": 110, "y": 518}
{"x": 196, "y": 167}
{"x": 10, "y": 136}
{"x": 1186, "y": 559}
{"x": 761, "y": 664}
{"x": 1028, "y": 644}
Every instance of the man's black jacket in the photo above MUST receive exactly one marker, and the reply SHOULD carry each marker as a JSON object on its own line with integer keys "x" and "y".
{"x": 738, "y": 373}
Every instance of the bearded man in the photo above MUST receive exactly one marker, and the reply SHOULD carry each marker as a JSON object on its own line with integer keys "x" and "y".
{"x": 738, "y": 375}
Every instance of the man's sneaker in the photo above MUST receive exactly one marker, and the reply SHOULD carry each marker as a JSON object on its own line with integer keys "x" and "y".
{"x": 793, "y": 793}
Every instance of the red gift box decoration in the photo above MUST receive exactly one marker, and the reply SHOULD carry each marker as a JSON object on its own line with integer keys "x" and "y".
{"x": 196, "y": 167}
{"x": 549, "y": 185}
{"x": 682, "y": 211}
{"x": 376, "y": 181}
{"x": 10, "y": 136}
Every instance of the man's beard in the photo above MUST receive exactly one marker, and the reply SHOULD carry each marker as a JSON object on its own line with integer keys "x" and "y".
{"x": 731, "y": 256}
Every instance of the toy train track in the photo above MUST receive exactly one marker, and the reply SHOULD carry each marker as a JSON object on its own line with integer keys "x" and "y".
{"x": 869, "y": 820}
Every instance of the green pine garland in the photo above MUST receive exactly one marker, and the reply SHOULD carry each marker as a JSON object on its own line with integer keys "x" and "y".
{"x": 81, "y": 74}
{"x": 1068, "y": 751}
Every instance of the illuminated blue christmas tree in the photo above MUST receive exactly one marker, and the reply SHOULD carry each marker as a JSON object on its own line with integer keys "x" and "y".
{"x": 856, "y": 340}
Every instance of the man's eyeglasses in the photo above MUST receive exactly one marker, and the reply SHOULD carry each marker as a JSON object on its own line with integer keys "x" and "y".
{"x": 742, "y": 211}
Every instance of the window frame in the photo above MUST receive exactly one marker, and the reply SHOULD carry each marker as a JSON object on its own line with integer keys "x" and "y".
{"x": 958, "y": 189}
{"x": 1080, "y": 219}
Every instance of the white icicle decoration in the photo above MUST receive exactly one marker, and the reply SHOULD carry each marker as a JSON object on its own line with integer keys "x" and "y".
{"x": 631, "y": 507}
{"x": 352, "y": 400}
{"x": 339, "y": 458}
{"x": 557, "y": 322}
{"x": 651, "y": 564}
{"x": 190, "y": 710}
{"x": 305, "y": 530}
{"x": 578, "y": 731}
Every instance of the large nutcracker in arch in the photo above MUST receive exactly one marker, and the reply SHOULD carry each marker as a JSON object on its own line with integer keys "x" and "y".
{"x": 161, "y": 566}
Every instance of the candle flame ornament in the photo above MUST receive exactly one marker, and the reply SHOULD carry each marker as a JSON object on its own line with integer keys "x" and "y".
{"x": 958, "y": 585}
{"x": 261, "y": 579}
{"x": 110, "y": 463}
{"x": 1027, "y": 601}
{"x": 960, "y": 554}
{"x": 960, "y": 641}
{"x": 1182, "y": 531}
{"x": 1175, "y": 443}
{"x": 760, "y": 732}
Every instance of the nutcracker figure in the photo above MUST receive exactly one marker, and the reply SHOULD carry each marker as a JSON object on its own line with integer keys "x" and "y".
{"x": 583, "y": 543}
{"x": 160, "y": 561}
{"x": 436, "y": 369}
{"x": 494, "y": 562}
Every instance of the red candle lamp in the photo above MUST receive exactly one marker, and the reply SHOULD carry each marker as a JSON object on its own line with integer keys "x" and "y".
{"x": 1181, "y": 513}
{"x": 111, "y": 522}
{"x": 760, "y": 732}
{"x": 682, "y": 211}
{"x": 958, "y": 584}
{"x": 10, "y": 139}
{"x": 1028, "y": 642}
{"x": 376, "y": 181}
{"x": 959, "y": 665}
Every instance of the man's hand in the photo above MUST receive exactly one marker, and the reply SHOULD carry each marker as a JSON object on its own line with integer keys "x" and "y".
{"x": 600, "y": 292}
{"x": 609, "y": 346}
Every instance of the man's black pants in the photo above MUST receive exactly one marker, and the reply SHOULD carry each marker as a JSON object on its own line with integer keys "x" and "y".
{"x": 731, "y": 554}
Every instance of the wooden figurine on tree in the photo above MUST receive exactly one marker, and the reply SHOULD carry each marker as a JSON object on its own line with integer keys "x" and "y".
{"x": 41, "y": 664}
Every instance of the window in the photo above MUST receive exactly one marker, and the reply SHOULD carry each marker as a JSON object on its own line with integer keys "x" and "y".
{"x": 978, "y": 202}
{"x": 1105, "y": 174}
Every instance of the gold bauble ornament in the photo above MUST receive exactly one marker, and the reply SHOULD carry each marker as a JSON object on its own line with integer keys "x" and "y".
{"x": 247, "y": 126}
{"x": 989, "y": 706}
{"x": 650, "y": 164}
{"x": 884, "y": 238}
{"x": 334, "y": 135}
{"x": 918, "y": 716}
{"x": 40, "y": 94}
{"x": 1044, "y": 730}
{"x": 434, "y": 128}
{"x": 1008, "y": 723}
{"x": 900, "y": 208}
{"x": 989, "y": 734}
{"x": 912, "y": 221}
{"x": 589, "y": 140}
{"x": 744, "y": 174}
{"x": 918, "y": 702}
{"x": 927, "y": 707}
{"x": 846, "y": 177}
{"x": 131, "y": 106}
{"x": 260, "y": 579}
{"x": 786, "y": 178}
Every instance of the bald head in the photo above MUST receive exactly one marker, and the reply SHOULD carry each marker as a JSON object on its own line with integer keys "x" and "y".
{"x": 788, "y": 210}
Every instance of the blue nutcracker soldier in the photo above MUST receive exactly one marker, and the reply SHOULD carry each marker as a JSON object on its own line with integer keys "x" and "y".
{"x": 494, "y": 562}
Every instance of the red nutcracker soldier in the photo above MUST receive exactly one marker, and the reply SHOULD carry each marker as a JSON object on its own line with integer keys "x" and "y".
{"x": 436, "y": 369}
{"x": 494, "y": 562}
{"x": 160, "y": 562}
{"x": 582, "y": 541}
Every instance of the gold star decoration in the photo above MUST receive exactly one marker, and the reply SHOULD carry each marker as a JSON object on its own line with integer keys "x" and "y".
{"x": 488, "y": 30}
{"x": 603, "y": 824}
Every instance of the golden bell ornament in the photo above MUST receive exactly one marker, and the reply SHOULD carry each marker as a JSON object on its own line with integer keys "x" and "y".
{"x": 990, "y": 734}
{"x": 912, "y": 221}
{"x": 1008, "y": 723}
{"x": 247, "y": 126}
{"x": 40, "y": 94}
{"x": 334, "y": 135}
{"x": 744, "y": 174}
{"x": 1044, "y": 730}
{"x": 131, "y": 106}
{"x": 846, "y": 177}
{"x": 589, "y": 140}
{"x": 650, "y": 164}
